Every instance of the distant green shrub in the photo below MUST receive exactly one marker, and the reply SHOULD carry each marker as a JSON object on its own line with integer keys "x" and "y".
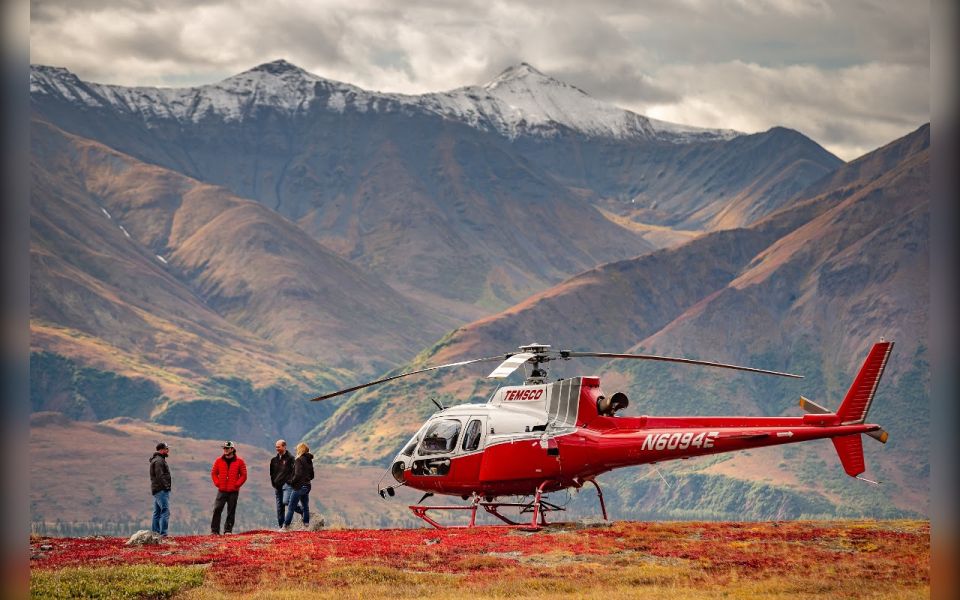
{"x": 133, "y": 581}
{"x": 85, "y": 393}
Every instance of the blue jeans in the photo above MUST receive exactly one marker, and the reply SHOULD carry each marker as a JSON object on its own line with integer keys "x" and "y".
{"x": 161, "y": 511}
{"x": 301, "y": 497}
{"x": 283, "y": 499}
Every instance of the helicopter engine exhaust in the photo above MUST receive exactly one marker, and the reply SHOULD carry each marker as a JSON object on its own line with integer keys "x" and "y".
{"x": 609, "y": 406}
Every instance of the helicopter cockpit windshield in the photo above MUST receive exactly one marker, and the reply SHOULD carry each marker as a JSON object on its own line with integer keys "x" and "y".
{"x": 440, "y": 437}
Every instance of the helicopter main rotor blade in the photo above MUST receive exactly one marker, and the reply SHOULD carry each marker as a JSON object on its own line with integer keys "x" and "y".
{"x": 688, "y": 361}
{"x": 385, "y": 379}
{"x": 510, "y": 365}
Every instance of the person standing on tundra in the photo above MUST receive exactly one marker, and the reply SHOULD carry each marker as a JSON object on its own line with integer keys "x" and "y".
{"x": 281, "y": 472}
{"x": 160, "y": 483}
{"x": 229, "y": 473}
{"x": 300, "y": 499}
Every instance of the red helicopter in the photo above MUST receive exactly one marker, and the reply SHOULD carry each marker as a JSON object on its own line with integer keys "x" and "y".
{"x": 542, "y": 437}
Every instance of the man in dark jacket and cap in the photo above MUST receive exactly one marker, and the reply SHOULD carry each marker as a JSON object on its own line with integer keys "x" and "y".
{"x": 281, "y": 472}
{"x": 160, "y": 483}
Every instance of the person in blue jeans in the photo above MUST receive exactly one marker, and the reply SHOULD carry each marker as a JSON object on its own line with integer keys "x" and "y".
{"x": 300, "y": 498}
{"x": 281, "y": 473}
{"x": 160, "y": 484}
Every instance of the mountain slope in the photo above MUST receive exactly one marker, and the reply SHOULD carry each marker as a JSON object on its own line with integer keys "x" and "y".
{"x": 715, "y": 184}
{"x": 257, "y": 270}
{"x": 196, "y": 302}
{"x": 468, "y": 200}
{"x": 114, "y": 334}
{"x": 813, "y": 302}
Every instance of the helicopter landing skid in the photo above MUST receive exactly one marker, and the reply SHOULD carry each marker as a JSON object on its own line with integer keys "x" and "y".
{"x": 539, "y": 507}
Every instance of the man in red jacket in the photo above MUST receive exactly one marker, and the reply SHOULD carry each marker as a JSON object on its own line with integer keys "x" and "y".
{"x": 229, "y": 472}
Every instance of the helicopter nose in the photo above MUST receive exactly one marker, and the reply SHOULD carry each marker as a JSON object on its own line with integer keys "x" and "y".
{"x": 397, "y": 471}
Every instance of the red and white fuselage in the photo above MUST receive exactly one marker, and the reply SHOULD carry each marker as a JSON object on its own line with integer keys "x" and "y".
{"x": 553, "y": 436}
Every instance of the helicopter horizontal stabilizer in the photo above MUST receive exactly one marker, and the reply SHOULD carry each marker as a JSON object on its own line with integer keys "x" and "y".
{"x": 510, "y": 365}
{"x": 812, "y": 407}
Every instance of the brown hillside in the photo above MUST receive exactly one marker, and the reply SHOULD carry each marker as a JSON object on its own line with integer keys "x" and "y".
{"x": 232, "y": 256}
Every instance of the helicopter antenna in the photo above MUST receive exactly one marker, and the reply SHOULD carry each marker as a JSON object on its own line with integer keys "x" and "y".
{"x": 657, "y": 471}
{"x": 439, "y": 405}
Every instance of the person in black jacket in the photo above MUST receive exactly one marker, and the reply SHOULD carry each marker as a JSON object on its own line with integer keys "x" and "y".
{"x": 160, "y": 484}
{"x": 302, "y": 475}
{"x": 281, "y": 472}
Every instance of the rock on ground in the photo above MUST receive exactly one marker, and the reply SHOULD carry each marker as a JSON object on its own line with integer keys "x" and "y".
{"x": 144, "y": 538}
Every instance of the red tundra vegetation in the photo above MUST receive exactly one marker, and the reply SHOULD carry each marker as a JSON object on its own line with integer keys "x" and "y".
{"x": 842, "y": 559}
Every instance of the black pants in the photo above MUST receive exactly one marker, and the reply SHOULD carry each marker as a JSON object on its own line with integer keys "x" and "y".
{"x": 230, "y": 499}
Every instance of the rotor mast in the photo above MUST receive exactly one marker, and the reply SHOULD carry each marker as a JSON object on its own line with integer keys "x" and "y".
{"x": 538, "y": 374}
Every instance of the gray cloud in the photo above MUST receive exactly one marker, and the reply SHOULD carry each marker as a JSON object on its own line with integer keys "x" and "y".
{"x": 850, "y": 111}
{"x": 851, "y": 74}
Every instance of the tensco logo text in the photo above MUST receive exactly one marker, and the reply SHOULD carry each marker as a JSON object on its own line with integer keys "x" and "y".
{"x": 679, "y": 441}
{"x": 527, "y": 394}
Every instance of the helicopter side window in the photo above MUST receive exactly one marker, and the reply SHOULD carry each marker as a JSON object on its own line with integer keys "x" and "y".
{"x": 441, "y": 437}
{"x": 471, "y": 436}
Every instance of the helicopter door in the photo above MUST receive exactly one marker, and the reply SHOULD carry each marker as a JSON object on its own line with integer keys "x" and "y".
{"x": 474, "y": 434}
{"x": 470, "y": 450}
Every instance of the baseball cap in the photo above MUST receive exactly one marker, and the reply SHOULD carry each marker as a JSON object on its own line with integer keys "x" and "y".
{"x": 162, "y": 446}
{"x": 228, "y": 444}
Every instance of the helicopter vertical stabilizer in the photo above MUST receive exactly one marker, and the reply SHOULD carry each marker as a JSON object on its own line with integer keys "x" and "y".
{"x": 854, "y": 408}
{"x": 857, "y": 402}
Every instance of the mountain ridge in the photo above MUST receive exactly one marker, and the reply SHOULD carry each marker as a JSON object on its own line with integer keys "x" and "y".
{"x": 519, "y": 101}
{"x": 456, "y": 215}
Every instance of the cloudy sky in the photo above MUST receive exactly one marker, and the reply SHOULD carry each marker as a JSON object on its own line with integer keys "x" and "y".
{"x": 851, "y": 74}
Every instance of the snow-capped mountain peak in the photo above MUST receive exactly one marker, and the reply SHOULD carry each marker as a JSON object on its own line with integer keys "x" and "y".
{"x": 278, "y": 67}
{"x": 521, "y": 71}
{"x": 520, "y": 101}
